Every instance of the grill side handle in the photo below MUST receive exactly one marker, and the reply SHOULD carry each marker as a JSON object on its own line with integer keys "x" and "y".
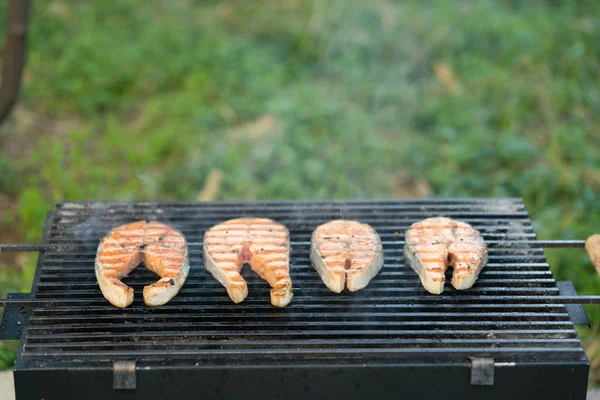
{"x": 13, "y": 318}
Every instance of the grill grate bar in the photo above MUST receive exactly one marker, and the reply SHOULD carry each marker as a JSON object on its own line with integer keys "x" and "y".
{"x": 238, "y": 317}
{"x": 64, "y": 274}
{"x": 573, "y": 342}
{"x": 254, "y": 206}
{"x": 390, "y": 352}
{"x": 398, "y": 307}
{"x": 492, "y": 245}
{"x": 294, "y": 324}
{"x": 99, "y": 337}
{"x": 306, "y": 222}
{"x": 81, "y": 286}
{"x": 489, "y": 232}
{"x": 494, "y": 255}
{"x": 485, "y": 299}
{"x": 103, "y": 205}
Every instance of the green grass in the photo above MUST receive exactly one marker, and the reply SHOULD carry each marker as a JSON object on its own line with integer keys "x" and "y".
{"x": 145, "y": 98}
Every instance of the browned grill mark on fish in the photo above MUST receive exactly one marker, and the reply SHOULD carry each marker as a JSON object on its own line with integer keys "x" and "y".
{"x": 162, "y": 248}
{"x": 260, "y": 242}
{"x": 346, "y": 254}
{"x": 347, "y": 264}
{"x": 433, "y": 244}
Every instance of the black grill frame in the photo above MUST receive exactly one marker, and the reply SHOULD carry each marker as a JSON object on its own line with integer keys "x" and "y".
{"x": 406, "y": 340}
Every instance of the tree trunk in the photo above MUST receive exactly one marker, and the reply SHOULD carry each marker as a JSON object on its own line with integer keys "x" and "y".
{"x": 14, "y": 55}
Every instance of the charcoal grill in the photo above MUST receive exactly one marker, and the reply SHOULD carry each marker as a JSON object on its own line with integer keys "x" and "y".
{"x": 511, "y": 336}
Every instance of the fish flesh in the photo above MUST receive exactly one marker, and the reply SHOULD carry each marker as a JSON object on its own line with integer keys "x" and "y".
{"x": 163, "y": 250}
{"x": 260, "y": 242}
{"x": 346, "y": 254}
{"x": 434, "y": 244}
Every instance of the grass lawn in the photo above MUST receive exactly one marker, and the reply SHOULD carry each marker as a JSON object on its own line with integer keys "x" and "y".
{"x": 299, "y": 99}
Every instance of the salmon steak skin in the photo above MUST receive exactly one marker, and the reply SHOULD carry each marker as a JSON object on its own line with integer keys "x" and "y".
{"x": 163, "y": 250}
{"x": 346, "y": 254}
{"x": 260, "y": 242}
{"x": 434, "y": 244}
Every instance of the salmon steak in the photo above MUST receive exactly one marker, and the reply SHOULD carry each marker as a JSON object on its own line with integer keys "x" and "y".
{"x": 161, "y": 248}
{"x": 434, "y": 244}
{"x": 346, "y": 254}
{"x": 260, "y": 242}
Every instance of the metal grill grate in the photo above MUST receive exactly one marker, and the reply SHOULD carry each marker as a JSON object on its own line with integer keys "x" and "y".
{"x": 391, "y": 321}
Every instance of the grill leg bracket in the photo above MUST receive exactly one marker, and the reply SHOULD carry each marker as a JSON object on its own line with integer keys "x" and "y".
{"x": 576, "y": 312}
{"x": 124, "y": 375}
{"x": 482, "y": 371}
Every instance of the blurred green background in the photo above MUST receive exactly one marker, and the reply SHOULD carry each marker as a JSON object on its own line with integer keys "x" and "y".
{"x": 298, "y": 99}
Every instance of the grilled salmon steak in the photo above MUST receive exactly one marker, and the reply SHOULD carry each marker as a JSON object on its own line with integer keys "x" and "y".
{"x": 434, "y": 244}
{"x": 346, "y": 254}
{"x": 163, "y": 250}
{"x": 260, "y": 242}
